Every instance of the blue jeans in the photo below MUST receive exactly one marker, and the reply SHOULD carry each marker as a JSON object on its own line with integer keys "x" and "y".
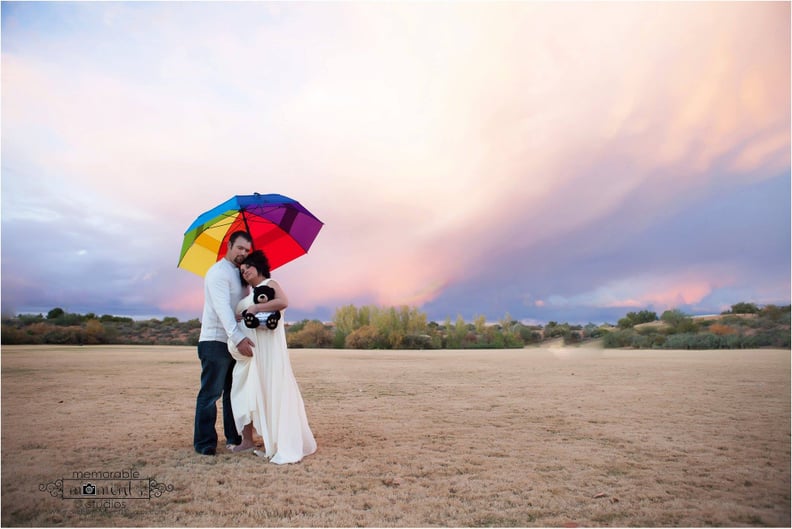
{"x": 217, "y": 367}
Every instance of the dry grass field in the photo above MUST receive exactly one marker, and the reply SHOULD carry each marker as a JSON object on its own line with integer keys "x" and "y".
{"x": 533, "y": 437}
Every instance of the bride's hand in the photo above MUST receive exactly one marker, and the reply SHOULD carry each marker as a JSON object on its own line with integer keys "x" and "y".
{"x": 238, "y": 317}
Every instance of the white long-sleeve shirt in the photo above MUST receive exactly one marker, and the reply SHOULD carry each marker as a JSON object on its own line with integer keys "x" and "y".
{"x": 222, "y": 291}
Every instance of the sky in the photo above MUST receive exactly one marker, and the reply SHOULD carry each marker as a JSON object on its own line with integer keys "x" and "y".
{"x": 566, "y": 162}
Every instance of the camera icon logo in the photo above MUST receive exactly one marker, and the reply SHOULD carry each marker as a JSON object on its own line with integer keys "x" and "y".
{"x": 89, "y": 489}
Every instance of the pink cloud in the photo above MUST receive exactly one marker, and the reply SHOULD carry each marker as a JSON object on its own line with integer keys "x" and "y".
{"x": 661, "y": 291}
{"x": 427, "y": 147}
{"x": 669, "y": 296}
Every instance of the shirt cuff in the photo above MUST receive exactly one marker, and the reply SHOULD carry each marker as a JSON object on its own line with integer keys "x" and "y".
{"x": 237, "y": 336}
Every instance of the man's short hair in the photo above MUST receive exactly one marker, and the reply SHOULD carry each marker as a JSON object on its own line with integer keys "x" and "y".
{"x": 237, "y": 234}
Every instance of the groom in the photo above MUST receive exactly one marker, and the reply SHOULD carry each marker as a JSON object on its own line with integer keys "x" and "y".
{"x": 223, "y": 288}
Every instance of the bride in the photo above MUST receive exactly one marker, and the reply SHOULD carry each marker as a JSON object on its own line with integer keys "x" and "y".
{"x": 264, "y": 393}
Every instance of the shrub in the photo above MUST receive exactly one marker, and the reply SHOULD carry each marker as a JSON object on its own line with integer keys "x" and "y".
{"x": 12, "y": 336}
{"x": 297, "y": 327}
{"x": 691, "y": 340}
{"x": 94, "y": 333}
{"x": 27, "y": 319}
{"x": 61, "y": 335}
{"x": 679, "y": 322}
{"x": 417, "y": 341}
{"x": 115, "y": 319}
{"x": 678, "y": 341}
{"x": 554, "y": 330}
{"x": 652, "y": 329}
{"x": 708, "y": 340}
{"x": 66, "y": 319}
{"x": 775, "y": 313}
{"x": 365, "y": 337}
{"x": 620, "y": 338}
{"x": 770, "y": 338}
{"x": 311, "y": 334}
{"x": 721, "y": 330}
{"x": 592, "y": 331}
{"x": 641, "y": 341}
{"x": 530, "y": 336}
{"x": 339, "y": 339}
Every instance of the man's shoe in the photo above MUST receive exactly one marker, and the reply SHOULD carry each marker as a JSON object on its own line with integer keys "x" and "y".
{"x": 209, "y": 451}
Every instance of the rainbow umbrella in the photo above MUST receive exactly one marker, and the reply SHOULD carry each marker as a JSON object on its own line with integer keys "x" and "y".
{"x": 279, "y": 226}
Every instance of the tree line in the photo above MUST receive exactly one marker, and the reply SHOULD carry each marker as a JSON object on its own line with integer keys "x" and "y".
{"x": 746, "y": 325}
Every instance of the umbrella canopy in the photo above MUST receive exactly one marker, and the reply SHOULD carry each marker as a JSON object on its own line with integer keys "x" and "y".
{"x": 279, "y": 226}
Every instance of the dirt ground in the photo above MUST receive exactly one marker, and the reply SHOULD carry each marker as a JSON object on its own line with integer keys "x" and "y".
{"x": 533, "y": 437}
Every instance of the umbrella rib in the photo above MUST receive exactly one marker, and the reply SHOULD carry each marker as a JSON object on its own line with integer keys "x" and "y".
{"x": 255, "y": 219}
{"x": 247, "y": 228}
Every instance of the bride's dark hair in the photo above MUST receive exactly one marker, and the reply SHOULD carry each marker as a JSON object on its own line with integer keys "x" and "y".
{"x": 259, "y": 261}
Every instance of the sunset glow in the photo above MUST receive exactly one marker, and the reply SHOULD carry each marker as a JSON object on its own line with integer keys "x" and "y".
{"x": 564, "y": 161}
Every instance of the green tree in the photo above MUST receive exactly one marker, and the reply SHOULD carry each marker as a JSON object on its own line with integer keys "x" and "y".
{"x": 744, "y": 308}
{"x": 389, "y": 325}
{"x": 460, "y": 331}
{"x": 55, "y": 313}
{"x": 636, "y": 318}
{"x": 27, "y": 319}
{"x": 592, "y": 331}
{"x": 775, "y": 313}
{"x": 346, "y": 319}
{"x": 679, "y": 322}
{"x": 480, "y": 324}
{"x": 555, "y": 330}
{"x": 449, "y": 341}
{"x": 507, "y": 324}
{"x": 625, "y": 323}
{"x": 509, "y": 331}
{"x": 530, "y": 335}
{"x": 645, "y": 316}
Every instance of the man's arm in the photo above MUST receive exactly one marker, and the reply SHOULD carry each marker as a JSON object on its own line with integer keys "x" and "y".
{"x": 219, "y": 292}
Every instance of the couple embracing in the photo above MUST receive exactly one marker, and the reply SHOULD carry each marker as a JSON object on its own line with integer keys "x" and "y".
{"x": 247, "y": 364}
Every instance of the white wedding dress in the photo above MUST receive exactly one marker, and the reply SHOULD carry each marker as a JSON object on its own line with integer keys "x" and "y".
{"x": 265, "y": 392}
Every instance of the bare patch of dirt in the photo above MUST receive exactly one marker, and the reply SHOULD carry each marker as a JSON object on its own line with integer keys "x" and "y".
{"x": 533, "y": 437}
